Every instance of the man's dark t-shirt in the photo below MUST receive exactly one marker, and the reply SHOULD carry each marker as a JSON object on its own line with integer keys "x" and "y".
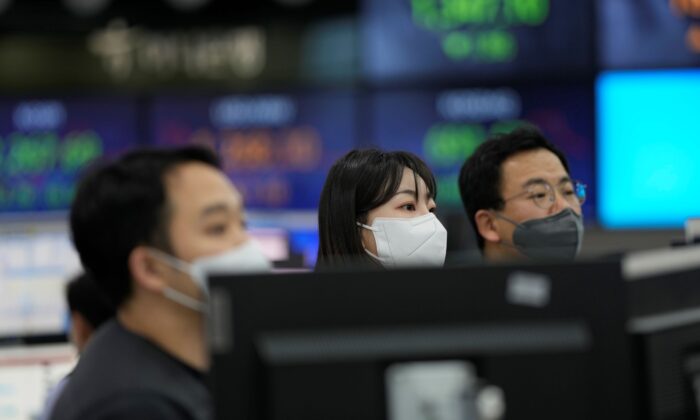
{"x": 123, "y": 376}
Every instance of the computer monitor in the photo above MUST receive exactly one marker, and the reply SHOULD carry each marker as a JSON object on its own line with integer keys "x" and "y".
{"x": 36, "y": 261}
{"x": 664, "y": 305}
{"x": 530, "y": 341}
{"x": 27, "y": 376}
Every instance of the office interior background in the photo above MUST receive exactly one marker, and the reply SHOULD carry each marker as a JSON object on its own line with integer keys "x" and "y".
{"x": 283, "y": 88}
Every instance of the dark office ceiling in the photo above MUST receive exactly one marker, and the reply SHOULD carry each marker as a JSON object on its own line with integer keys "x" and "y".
{"x": 56, "y": 16}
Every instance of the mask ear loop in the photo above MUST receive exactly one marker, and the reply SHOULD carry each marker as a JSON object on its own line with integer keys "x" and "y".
{"x": 511, "y": 221}
{"x": 173, "y": 262}
{"x": 362, "y": 225}
{"x": 372, "y": 229}
{"x": 184, "y": 300}
{"x": 176, "y": 295}
{"x": 507, "y": 219}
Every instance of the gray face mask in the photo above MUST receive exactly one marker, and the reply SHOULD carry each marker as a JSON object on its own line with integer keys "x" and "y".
{"x": 556, "y": 237}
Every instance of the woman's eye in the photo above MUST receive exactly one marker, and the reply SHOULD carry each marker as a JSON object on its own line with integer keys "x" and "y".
{"x": 216, "y": 229}
{"x": 569, "y": 192}
{"x": 409, "y": 207}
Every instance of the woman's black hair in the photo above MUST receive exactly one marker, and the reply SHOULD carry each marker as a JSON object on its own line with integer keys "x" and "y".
{"x": 358, "y": 182}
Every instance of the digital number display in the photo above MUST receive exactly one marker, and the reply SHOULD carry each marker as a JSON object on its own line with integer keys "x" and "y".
{"x": 484, "y": 41}
{"x": 480, "y": 39}
{"x": 445, "y": 127}
{"x": 277, "y": 148}
{"x": 45, "y": 144}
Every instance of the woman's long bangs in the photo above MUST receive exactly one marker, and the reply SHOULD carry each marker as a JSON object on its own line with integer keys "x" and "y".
{"x": 420, "y": 169}
{"x": 379, "y": 183}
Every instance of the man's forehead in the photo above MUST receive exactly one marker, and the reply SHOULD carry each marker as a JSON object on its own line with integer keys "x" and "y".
{"x": 199, "y": 186}
{"x": 538, "y": 164}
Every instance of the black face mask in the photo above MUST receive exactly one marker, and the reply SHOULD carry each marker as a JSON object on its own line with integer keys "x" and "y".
{"x": 556, "y": 237}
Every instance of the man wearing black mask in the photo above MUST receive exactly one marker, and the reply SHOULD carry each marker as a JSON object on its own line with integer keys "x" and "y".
{"x": 521, "y": 200}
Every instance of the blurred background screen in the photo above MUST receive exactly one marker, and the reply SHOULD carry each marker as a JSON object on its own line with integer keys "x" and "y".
{"x": 46, "y": 143}
{"x": 647, "y": 147}
{"x": 475, "y": 40}
{"x": 283, "y": 88}
{"x": 36, "y": 261}
{"x": 445, "y": 126}
{"x": 649, "y": 33}
{"x": 277, "y": 148}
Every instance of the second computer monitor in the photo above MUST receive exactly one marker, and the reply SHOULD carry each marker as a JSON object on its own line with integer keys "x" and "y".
{"x": 513, "y": 342}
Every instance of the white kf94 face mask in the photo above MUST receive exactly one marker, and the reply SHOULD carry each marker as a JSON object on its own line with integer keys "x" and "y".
{"x": 246, "y": 258}
{"x": 409, "y": 242}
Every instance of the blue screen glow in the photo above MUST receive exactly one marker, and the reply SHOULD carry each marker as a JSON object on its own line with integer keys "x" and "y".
{"x": 648, "y": 148}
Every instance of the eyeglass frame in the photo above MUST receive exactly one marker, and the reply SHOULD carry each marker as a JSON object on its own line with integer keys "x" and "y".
{"x": 539, "y": 181}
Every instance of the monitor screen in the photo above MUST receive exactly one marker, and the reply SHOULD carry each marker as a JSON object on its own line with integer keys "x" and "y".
{"x": 28, "y": 375}
{"x": 649, "y": 33}
{"x": 277, "y": 148}
{"x": 664, "y": 308}
{"x": 44, "y": 145}
{"x": 36, "y": 262}
{"x": 475, "y": 40}
{"x": 647, "y": 148}
{"x": 444, "y": 127}
{"x": 541, "y": 342}
{"x": 274, "y": 242}
{"x": 297, "y": 229}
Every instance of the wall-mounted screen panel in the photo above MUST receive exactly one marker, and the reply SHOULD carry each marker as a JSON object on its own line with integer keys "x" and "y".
{"x": 649, "y": 33}
{"x": 276, "y": 148}
{"x": 45, "y": 144}
{"x": 446, "y": 126}
{"x": 648, "y": 148}
{"x": 475, "y": 40}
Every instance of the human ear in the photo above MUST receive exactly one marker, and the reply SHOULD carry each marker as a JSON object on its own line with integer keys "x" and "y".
{"x": 485, "y": 222}
{"x": 145, "y": 270}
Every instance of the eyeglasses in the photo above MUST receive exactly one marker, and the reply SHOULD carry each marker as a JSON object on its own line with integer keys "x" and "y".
{"x": 544, "y": 195}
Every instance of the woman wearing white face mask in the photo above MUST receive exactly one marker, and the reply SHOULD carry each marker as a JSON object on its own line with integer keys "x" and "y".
{"x": 376, "y": 209}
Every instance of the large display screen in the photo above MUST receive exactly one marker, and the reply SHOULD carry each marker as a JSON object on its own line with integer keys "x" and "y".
{"x": 36, "y": 262}
{"x": 445, "y": 127}
{"x": 277, "y": 148}
{"x": 649, "y": 33}
{"x": 648, "y": 148}
{"x": 44, "y": 145}
{"x": 475, "y": 39}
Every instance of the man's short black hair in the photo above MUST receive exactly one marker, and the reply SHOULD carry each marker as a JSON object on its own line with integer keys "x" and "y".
{"x": 121, "y": 205}
{"x": 85, "y": 298}
{"x": 480, "y": 177}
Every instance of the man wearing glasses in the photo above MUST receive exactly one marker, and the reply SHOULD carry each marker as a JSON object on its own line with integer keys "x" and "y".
{"x": 521, "y": 200}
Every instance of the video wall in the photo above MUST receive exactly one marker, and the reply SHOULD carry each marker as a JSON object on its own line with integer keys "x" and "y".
{"x": 446, "y": 126}
{"x": 614, "y": 83}
{"x": 475, "y": 40}
{"x": 277, "y": 148}
{"x": 437, "y": 78}
{"x": 611, "y": 82}
{"x": 46, "y": 143}
{"x": 647, "y": 97}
